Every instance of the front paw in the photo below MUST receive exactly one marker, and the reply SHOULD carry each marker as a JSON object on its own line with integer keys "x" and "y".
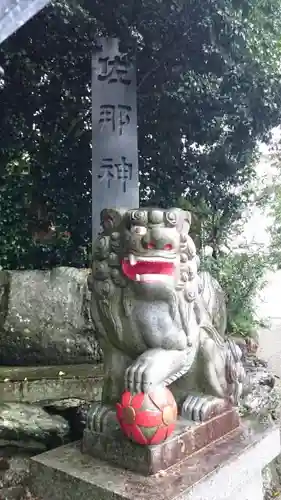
{"x": 102, "y": 419}
{"x": 140, "y": 376}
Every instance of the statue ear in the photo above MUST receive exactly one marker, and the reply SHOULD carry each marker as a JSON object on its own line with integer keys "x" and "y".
{"x": 111, "y": 218}
{"x": 184, "y": 219}
{"x": 187, "y": 217}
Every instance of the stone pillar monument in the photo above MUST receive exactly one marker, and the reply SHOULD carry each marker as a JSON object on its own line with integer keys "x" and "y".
{"x": 114, "y": 129}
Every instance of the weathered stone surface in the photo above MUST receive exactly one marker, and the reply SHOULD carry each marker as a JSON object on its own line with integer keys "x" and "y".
{"x": 74, "y": 411}
{"x": 262, "y": 402}
{"x": 63, "y": 405}
{"x": 219, "y": 472}
{"x": 12, "y": 493}
{"x": 44, "y": 318}
{"x": 187, "y": 439}
{"x": 49, "y": 383}
{"x": 263, "y": 397}
{"x": 30, "y": 427}
{"x": 15, "y": 475}
{"x": 271, "y": 483}
{"x": 4, "y": 295}
{"x": 115, "y": 180}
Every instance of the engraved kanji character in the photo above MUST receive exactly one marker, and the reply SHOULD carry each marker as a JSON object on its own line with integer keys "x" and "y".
{"x": 124, "y": 116}
{"x": 107, "y": 115}
{"x": 124, "y": 172}
{"x": 108, "y": 172}
{"x": 113, "y": 70}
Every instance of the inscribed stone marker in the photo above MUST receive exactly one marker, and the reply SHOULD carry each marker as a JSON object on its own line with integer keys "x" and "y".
{"x": 114, "y": 129}
{"x": 15, "y": 13}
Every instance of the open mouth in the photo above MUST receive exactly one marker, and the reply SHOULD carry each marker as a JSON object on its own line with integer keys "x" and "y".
{"x": 146, "y": 269}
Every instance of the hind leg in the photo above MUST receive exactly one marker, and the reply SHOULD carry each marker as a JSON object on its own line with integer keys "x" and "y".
{"x": 194, "y": 395}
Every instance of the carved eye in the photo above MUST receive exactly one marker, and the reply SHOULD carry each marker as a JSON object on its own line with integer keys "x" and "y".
{"x": 168, "y": 246}
{"x": 139, "y": 230}
{"x": 149, "y": 245}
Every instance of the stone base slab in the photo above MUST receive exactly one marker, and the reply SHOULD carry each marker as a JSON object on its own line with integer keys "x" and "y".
{"x": 229, "y": 469}
{"x": 188, "y": 438}
{"x": 32, "y": 384}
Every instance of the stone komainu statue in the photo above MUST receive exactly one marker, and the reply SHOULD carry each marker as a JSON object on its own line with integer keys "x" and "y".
{"x": 155, "y": 321}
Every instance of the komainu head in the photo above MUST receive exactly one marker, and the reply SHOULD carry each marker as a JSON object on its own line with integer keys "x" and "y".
{"x": 145, "y": 246}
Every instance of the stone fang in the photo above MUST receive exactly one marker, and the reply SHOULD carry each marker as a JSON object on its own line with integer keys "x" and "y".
{"x": 132, "y": 259}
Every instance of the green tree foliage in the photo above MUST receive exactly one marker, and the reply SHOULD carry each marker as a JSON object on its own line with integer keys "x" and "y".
{"x": 275, "y": 227}
{"x": 270, "y": 200}
{"x": 241, "y": 276}
{"x": 213, "y": 225}
{"x": 208, "y": 88}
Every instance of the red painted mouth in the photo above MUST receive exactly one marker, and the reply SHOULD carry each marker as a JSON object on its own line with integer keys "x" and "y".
{"x": 144, "y": 269}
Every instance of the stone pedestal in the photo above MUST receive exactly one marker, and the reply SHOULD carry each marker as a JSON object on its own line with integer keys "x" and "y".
{"x": 188, "y": 438}
{"x": 229, "y": 469}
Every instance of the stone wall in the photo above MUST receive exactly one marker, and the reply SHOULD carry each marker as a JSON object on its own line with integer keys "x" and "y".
{"x": 44, "y": 318}
{"x": 40, "y": 408}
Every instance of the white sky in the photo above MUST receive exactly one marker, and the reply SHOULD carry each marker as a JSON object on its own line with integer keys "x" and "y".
{"x": 255, "y": 230}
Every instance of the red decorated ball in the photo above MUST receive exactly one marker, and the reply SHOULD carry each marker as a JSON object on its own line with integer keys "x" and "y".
{"x": 147, "y": 418}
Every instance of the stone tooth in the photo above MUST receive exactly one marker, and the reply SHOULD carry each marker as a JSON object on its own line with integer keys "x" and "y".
{"x": 138, "y": 278}
{"x": 132, "y": 259}
{"x": 156, "y": 277}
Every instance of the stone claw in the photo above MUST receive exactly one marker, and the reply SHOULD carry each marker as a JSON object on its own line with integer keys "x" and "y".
{"x": 201, "y": 408}
{"x": 139, "y": 376}
{"x": 102, "y": 419}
